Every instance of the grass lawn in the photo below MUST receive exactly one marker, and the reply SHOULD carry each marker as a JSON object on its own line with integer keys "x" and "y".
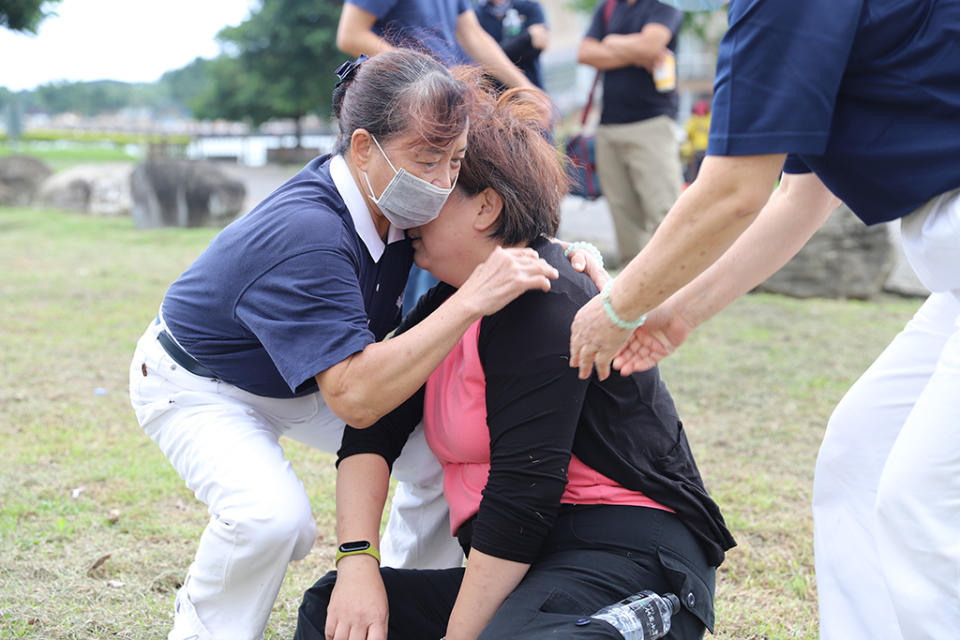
{"x": 96, "y": 529}
{"x": 60, "y": 158}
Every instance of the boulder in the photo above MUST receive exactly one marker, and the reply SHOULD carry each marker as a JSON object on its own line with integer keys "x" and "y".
{"x": 183, "y": 193}
{"x": 20, "y": 178}
{"x": 843, "y": 259}
{"x": 100, "y": 189}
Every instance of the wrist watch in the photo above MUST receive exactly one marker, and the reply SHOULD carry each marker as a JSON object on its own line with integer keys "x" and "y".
{"x": 356, "y": 548}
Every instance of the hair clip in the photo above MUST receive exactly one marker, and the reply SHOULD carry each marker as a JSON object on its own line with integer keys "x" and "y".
{"x": 346, "y": 70}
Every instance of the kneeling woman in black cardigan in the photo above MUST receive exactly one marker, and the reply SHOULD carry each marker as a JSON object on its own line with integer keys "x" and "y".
{"x": 567, "y": 494}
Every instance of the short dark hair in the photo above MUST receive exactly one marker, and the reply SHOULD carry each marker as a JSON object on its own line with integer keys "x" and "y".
{"x": 401, "y": 91}
{"x": 508, "y": 151}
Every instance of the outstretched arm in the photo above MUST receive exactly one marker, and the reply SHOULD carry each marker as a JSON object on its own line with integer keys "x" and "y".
{"x": 709, "y": 216}
{"x": 481, "y": 46}
{"x": 355, "y": 32}
{"x": 795, "y": 211}
{"x": 367, "y": 385}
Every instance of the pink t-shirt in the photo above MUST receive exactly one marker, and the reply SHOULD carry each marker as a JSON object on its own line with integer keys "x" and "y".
{"x": 455, "y": 424}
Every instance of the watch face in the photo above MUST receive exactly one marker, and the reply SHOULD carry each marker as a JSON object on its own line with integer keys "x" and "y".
{"x": 360, "y": 545}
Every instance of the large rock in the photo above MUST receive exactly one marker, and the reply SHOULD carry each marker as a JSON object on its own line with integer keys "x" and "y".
{"x": 843, "y": 259}
{"x": 20, "y": 178}
{"x": 183, "y": 193}
{"x": 97, "y": 189}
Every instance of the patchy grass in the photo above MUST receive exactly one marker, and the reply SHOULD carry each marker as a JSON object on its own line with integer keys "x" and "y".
{"x": 64, "y": 157}
{"x": 96, "y": 529}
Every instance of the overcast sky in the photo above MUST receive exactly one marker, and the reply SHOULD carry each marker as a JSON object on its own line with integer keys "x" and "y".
{"x": 129, "y": 40}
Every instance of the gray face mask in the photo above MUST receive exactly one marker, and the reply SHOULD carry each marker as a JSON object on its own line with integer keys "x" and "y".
{"x": 408, "y": 201}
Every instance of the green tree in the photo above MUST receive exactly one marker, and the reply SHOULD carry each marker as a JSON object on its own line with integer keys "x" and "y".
{"x": 279, "y": 63}
{"x": 92, "y": 98}
{"x": 24, "y": 15}
{"x": 184, "y": 86}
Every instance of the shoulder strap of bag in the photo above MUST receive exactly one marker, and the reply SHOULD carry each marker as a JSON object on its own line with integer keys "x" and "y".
{"x": 607, "y": 12}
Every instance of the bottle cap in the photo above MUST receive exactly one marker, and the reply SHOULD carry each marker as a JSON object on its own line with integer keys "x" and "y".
{"x": 674, "y": 602}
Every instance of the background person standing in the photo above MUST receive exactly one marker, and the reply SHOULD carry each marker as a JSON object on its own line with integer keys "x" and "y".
{"x": 449, "y": 29}
{"x": 638, "y": 157}
{"x": 520, "y": 27}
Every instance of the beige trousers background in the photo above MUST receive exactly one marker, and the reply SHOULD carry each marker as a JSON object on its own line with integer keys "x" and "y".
{"x": 638, "y": 165}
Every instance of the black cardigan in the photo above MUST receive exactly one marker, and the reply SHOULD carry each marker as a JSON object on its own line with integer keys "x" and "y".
{"x": 538, "y": 411}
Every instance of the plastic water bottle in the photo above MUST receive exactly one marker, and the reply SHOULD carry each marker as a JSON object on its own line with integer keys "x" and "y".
{"x": 512, "y": 23}
{"x": 642, "y": 616}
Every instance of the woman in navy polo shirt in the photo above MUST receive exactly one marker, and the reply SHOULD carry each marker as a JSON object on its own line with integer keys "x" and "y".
{"x": 273, "y": 331}
{"x": 858, "y": 101}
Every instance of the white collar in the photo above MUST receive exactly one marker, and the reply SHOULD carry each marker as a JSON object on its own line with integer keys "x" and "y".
{"x": 357, "y": 206}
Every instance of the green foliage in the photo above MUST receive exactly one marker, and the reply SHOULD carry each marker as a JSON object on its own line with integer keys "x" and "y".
{"x": 185, "y": 85}
{"x": 281, "y": 66}
{"x": 583, "y": 6}
{"x": 24, "y": 15}
{"x": 91, "y": 98}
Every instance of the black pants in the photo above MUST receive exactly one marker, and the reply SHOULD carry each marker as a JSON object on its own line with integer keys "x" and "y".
{"x": 594, "y": 556}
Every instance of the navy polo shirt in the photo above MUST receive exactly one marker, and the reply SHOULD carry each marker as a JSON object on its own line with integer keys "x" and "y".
{"x": 427, "y": 23}
{"x": 864, "y": 93}
{"x": 295, "y": 286}
{"x": 629, "y": 94}
{"x": 530, "y": 12}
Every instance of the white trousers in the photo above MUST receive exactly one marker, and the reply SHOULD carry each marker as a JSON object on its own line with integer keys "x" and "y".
{"x": 224, "y": 443}
{"x": 886, "y": 498}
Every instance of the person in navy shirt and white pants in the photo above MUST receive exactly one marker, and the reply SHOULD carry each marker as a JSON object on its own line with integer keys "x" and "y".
{"x": 273, "y": 331}
{"x": 856, "y": 101}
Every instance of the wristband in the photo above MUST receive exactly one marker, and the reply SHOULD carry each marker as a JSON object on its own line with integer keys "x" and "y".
{"x": 612, "y": 314}
{"x": 586, "y": 246}
{"x": 356, "y": 548}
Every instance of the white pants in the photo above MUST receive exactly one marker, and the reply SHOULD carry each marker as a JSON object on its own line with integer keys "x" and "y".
{"x": 886, "y": 497}
{"x": 224, "y": 443}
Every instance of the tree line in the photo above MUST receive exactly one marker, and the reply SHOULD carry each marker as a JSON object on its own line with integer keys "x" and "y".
{"x": 279, "y": 63}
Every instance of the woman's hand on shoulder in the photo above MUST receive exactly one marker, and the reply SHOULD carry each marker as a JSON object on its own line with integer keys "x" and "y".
{"x": 585, "y": 258}
{"x": 503, "y": 277}
{"x": 358, "y": 605}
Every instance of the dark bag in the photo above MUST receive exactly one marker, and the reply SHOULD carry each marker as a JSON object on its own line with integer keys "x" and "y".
{"x": 583, "y": 167}
{"x": 580, "y": 147}
{"x": 583, "y": 159}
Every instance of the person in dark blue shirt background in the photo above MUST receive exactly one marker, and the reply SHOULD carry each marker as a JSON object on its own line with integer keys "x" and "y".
{"x": 446, "y": 28}
{"x": 859, "y": 102}
{"x": 449, "y": 30}
{"x": 520, "y": 27}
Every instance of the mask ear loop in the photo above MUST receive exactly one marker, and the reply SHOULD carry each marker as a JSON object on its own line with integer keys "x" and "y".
{"x": 383, "y": 153}
{"x": 375, "y": 199}
{"x": 367, "y": 177}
